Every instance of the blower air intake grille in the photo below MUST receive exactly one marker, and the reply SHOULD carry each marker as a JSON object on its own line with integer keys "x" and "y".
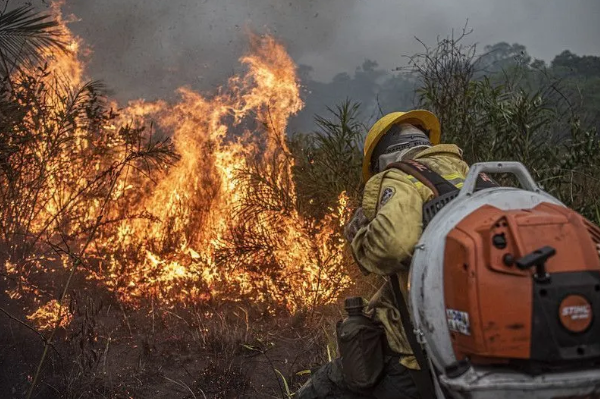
{"x": 431, "y": 208}
{"x": 593, "y": 230}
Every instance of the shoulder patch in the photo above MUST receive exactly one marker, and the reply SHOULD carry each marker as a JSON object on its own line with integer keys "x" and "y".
{"x": 388, "y": 193}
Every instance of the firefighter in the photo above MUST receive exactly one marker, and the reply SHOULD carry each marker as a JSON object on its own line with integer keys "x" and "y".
{"x": 382, "y": 235}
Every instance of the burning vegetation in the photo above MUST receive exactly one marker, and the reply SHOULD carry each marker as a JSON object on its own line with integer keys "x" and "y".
{"x": 170, "y": 204}
{"x": 122, "y": 226}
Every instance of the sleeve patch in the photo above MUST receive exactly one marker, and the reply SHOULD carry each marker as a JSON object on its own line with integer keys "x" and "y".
{"x": 388, "y": 193}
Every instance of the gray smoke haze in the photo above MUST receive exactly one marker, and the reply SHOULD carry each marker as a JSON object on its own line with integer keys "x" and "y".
{"x": 147, "y": 48}
{"x": 384, "y": 30}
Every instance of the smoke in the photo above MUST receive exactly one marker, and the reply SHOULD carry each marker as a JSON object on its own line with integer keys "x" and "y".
{"x": 385, "y": 30}
{"x": 148, "y": 48}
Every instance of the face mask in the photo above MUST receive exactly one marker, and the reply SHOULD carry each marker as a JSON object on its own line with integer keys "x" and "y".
{"x": 399, "y": 141}
{"x": 386, "y": 159}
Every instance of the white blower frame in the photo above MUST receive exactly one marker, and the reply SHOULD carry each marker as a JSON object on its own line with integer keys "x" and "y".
{"x": 426, "y": 298}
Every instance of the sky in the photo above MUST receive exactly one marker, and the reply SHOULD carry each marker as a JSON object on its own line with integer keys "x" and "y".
{"x": 148, "y": 48}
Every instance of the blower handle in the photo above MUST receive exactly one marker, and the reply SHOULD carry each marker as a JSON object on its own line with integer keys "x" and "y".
{"x": 516, "y": 168}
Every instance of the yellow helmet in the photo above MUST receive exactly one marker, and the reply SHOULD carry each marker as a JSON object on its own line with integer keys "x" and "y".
{"x": 420, "y": 118}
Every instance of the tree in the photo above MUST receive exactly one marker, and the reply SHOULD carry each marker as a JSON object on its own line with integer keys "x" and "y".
{"x": 502, "y": 56}
{"x": 580, "y": 77}
{"x": 569, "y": 64}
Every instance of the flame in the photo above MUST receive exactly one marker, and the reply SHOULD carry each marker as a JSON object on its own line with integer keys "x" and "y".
{"x": 222, "y": 222}
{"x": 46, "y": 316}
{"x": 198, "y": 201}
{"x": 67, "y": 65}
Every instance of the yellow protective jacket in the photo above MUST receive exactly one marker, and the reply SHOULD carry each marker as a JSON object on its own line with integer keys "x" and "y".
{"x": 393, "y": 202}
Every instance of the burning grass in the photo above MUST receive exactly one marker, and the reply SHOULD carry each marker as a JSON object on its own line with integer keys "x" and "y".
{"x": 160, "y": 210}
{"x": 200, "y": 206}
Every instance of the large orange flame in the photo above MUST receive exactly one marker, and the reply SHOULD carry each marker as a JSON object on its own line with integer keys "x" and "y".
{"x": 221, "y": 223}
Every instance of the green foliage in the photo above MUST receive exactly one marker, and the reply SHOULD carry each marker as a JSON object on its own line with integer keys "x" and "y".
{"x": 580, "y": 79}
{"x": 518, "y": 114}
{"x": 328, "y": 161}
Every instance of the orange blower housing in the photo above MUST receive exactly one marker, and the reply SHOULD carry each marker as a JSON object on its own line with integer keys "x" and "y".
{"x": 532, "y": 297}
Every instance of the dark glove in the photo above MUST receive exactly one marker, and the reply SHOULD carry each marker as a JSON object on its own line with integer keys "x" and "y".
{"x": 358, "y": 221}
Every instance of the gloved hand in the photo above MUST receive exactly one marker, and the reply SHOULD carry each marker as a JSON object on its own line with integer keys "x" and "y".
{"x": 358, "y": 221}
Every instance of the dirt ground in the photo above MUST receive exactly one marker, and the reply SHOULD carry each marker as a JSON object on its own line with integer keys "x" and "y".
{"x": 232, "y": 350}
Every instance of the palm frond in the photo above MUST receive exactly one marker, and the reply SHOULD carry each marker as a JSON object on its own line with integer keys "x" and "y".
{"x": 24, "y": 34}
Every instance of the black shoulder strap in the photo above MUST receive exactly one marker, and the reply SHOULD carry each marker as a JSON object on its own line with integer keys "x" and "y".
{"x": 428, "y": 177}
{"x": 434, "y": 181}
{"x": 484, "y": 181}
{"x": 423, "y": 379}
